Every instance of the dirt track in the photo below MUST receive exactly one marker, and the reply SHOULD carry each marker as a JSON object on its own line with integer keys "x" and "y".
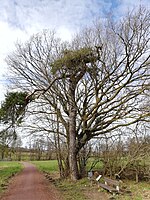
{"x": 30, "y": 184}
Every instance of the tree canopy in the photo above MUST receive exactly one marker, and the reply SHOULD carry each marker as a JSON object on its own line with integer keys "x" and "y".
{"x": 11, "y": 114}
{"x": 13, "y": 107}
{"x": 95, "y": 84}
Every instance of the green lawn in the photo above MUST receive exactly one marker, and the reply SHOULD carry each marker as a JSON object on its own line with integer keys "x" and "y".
{"x": 49, "y": 166}
{"x": 7, "y": 170}
{"x": 52, "y": 165}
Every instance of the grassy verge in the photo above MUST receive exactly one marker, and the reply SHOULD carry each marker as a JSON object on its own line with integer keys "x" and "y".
{"x": 7, "y": 170}
{"x": 73, "y": 190}
{"x": 139, "y": 191}
{"x": 70, "y": 190}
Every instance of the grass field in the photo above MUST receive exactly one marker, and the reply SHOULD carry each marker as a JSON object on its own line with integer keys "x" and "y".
{"x": 7, "y": 170}
{"x": 50, "y": 166}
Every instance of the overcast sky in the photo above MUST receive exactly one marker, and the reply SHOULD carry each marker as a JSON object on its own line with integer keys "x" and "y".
{"x": 21, "y": 18}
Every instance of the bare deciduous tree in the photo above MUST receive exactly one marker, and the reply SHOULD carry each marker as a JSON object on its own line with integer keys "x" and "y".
{"x": 94, "y": 84}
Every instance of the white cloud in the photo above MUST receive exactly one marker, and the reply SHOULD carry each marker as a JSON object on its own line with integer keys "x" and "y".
{"x": 8, "y": 35}
{"x": 21, "y": 18}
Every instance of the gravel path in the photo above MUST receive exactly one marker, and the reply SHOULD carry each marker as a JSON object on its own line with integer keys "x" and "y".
{"x": 30, "y": 184}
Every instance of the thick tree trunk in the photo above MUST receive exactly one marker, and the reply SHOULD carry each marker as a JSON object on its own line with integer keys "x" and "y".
{"x": 72, "y": 146}
{"x": 72, "y": 133}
